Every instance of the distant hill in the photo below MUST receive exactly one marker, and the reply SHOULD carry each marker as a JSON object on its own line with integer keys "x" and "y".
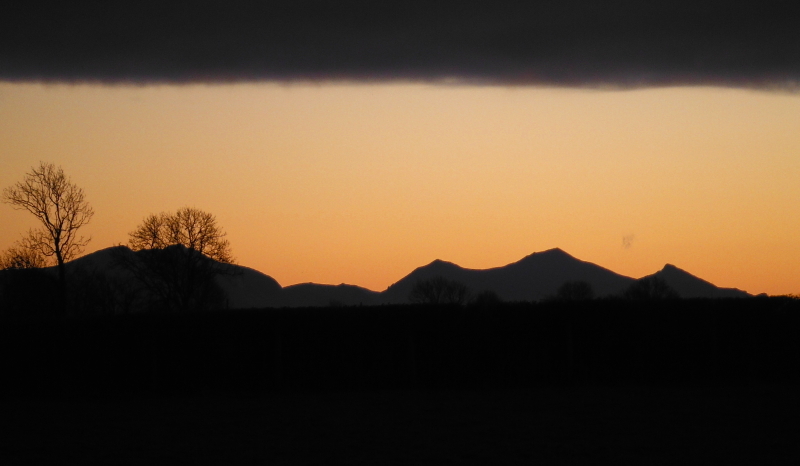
{"x": 248, "y": 288}
{"x": 689, "y": 286}
{"x": 315, "y": 295}
{"x": 245, "y": 287}
{"x": 534, "y": 277}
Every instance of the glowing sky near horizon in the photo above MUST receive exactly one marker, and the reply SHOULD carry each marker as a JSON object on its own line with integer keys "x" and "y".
{"x": 361, "y": 183}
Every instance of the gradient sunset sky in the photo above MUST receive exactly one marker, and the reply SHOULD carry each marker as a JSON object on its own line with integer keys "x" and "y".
{"x": 357, "y": 170}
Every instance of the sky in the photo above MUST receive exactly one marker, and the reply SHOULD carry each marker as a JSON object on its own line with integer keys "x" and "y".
{"x": 353, "y": 143}
{"x": 360, "y": 184}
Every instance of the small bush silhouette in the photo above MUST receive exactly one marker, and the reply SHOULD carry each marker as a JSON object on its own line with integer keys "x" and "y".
{"x": 22, "y": 256}
{"x": 439, "y": 290}
{"x": 649, "y": 289}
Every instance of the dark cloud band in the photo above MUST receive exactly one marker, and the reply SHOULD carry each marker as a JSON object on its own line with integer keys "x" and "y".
{"x": 571, "y": 43}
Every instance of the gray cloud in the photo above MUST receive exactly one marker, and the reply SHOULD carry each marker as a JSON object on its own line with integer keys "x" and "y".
{"x": 622, "y": 43}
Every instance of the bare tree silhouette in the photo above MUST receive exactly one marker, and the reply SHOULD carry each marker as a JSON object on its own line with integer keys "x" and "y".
{"x": 22, "y": 256}
{"x": 61, "y": 207}
{"x": 178, "y": 257}
{"x": 189, "y": 227}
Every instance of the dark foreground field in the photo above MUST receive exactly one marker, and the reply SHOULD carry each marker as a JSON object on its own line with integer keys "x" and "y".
{"x": 615, "y": 382}
{"x": 588, "y": 425}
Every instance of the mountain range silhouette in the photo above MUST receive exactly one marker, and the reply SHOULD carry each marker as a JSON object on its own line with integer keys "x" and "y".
{"x": 534, "y": 277}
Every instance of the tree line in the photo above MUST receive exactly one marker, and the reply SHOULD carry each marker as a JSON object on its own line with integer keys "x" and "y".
{"x": 441, "y": 290}
{"x": 172, "y": 257}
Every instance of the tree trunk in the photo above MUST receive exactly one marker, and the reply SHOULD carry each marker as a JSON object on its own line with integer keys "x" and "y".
{"x": 62, "y": 286}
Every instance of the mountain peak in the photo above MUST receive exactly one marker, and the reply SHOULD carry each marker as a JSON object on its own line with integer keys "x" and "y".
{"x": 438, "y": 263}
{"x": 691, "y": 286}
{"x": 555, "y": 252}
{"x": 669, "y": 268}
{"x": 549, "y": 254}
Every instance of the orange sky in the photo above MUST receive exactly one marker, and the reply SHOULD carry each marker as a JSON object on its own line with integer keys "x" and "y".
{"x": 360, "y": 183}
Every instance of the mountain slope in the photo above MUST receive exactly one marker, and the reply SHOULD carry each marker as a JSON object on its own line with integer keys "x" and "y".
{"x": 534, "y": 277}
{"x": 690, "y": 286}
{"x": 248, "y": 288}
{"x": 244, "y": 287}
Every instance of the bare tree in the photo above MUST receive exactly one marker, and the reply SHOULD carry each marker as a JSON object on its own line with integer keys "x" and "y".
{"x": 189, "y": 227}
{"x": 60, "y": 206}
{"x": 177, "y": 258}
{"x": 22, "y": 256}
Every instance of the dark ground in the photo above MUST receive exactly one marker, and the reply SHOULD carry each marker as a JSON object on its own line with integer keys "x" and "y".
{"x": 578, "y": 425}
{"x": 604, "y": 382}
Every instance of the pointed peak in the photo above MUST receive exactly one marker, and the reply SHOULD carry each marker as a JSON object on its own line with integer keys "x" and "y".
{"x": 437, "y": 266}
{"x": 441, "y": 263}
{"x": 671, "y": 272}
{"x": 669, "y": 268}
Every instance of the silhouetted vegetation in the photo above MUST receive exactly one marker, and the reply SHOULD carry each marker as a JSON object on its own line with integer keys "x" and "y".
{"x": 188, "y": 227}
{"x": 29, "y": 293}
{"x": 650, "y": 288}
{"x": 178, "y": 256}
{"x": 94, "y": 293}
{"x": 22, "y": 256}
{"x": 61, "y": 208}
{"x": 174, "y": 279}
{"x": 486, "y": 299}
{"x": 575, "y": 291}
{"x": 33, "y": 293}
{"x": 439, "y": 290}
